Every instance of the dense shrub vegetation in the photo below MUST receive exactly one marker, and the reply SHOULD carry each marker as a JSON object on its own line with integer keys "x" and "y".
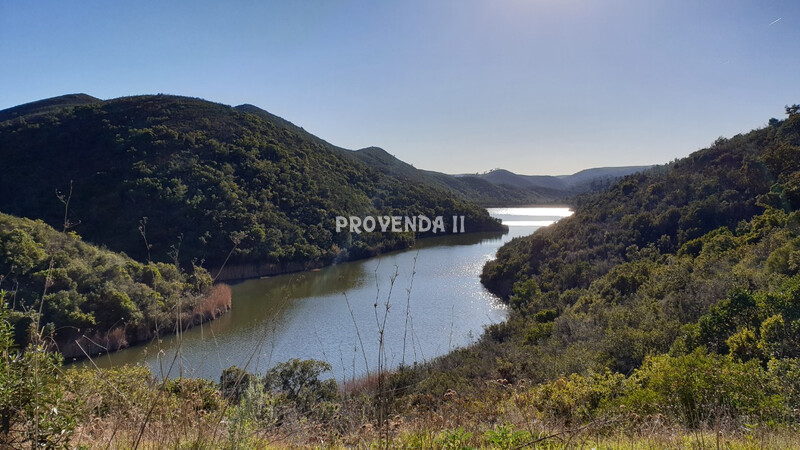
{"x": 684, "y": 278}
{"x": 102, "y": 300}
{"x": 152, "y": 174}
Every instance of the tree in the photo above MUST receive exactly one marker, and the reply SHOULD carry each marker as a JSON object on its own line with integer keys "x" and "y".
{"x": 299, "y": 381}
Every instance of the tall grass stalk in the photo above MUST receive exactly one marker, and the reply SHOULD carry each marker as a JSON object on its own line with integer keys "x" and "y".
{"x": 408, "y": 307}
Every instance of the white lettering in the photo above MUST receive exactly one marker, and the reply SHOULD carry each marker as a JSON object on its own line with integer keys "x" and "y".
{"x": 355, "y": 224}
{"x": 424, "y": 228}
{"x": 397, "y": 224}
{"x": 369, "y": 224}
{"x": 438, "y": 224}
{"x": 411, "y": 223}
{"x": 384, "y": 220}
{"x": 341, "y": 222}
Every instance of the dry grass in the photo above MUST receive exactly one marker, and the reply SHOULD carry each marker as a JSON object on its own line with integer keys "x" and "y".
{"x": 215, "y": 304}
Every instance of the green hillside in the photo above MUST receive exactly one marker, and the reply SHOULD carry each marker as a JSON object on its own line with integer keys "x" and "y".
{"x": 688, "y": 271}
{"x": 156, "y": 175}
{"x": 102, "y": 299}
{"x": 663, "y": 209}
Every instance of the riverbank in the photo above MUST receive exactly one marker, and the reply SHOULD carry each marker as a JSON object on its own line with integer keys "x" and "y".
{"x": 206, "y": 308}
{"x": 319, "y": 314}
{"x": 232, "y": 273}
{"x": 219, "y": 301}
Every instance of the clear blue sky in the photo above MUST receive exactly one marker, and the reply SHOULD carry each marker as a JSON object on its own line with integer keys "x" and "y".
{"x": 534, "y": 86}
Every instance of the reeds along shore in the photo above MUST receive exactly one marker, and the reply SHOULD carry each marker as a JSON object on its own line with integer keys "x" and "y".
{"x": 206, "y": 308}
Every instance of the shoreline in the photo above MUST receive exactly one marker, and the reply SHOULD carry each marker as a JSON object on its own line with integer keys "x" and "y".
{"x": 274, "y": 270}
{"x": 236, "y": 273}
{"x": 213, "y": 305}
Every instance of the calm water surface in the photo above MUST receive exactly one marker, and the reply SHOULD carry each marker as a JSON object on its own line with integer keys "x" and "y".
{"x": 436, "y": 303}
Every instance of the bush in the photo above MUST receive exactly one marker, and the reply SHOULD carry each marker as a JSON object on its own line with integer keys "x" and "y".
{"x": 32, "y": 406}
{"x": 198, "y": 393}
{"x": 234, "y": 382}
{"x": 700, "y": 388}
{"x": 576, "y": 398}
{"x": 298, "y": 380}
{"x": 505, "y": 437}
{"x": 457, "y": 439}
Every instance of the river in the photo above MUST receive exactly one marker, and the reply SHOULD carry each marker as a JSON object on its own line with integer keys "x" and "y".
{"x": 435, "y": 304}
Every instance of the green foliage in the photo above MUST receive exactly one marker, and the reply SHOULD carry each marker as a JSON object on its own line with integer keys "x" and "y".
{"x": 743, "y": 345}
{"x": 121, "y": 391}
{"x": 458, "y": 439}
{"x": 576, "y": 398}
{"x": 83, "y": 290}
{"x": 291, "y": 387}
{"x": 723, "y": 319}
{"x": 33, "y": 410}
{"x": 206, "y": 179}
{"x": 505, "y": 437}
{"x": 299, "y": 382}
{"x": 257, "y": 409}
{"x": 785, "y": 378}
{"x": 701, "y": 388}
{"x": 234, "y": 382}
{"x": 128, "y": 400}
{"x": 195, "y": 391}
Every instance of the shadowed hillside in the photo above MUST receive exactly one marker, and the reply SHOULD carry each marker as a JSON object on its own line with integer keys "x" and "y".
{"x": 163, "y": 176}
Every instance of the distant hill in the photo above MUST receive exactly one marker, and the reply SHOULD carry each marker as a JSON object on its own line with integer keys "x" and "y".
{"x": 558, "y": 187}
{"x": 161, "y": 177}
{"x": 498, "y": 187}
{"x": 473, "y": 189}
{"x": 507, "y": 178}
{"x": 600, "y": 173}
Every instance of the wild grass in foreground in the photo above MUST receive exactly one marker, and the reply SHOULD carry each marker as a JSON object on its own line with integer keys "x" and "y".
{"x": 462, "y": 400}
{"x": 292, "y": 406}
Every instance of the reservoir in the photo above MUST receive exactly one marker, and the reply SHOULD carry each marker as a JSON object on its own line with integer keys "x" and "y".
{"x": 433, "y": 293}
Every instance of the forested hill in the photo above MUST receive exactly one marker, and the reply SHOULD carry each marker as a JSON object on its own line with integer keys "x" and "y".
{"x": 671, "y": 298}
{"x": 664, "y": 208}
{"x": 155, "y": 176}
{"x": 701, "y": 253}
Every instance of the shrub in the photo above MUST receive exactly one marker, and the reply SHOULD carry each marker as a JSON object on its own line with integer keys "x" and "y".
{"x": 457, "y": 439}
{"x": 197, "y": 393}
{"x": 298, "y": 380}
{"x": 234, "y": 382}
{"x": 700, "y": 388}
{"x": 505, "y": 437}
{"x": 576, "y": 398}
{"x": 32, "y": 406}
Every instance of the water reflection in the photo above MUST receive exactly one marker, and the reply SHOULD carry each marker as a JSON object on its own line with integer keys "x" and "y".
{"x": 436, "y": 304}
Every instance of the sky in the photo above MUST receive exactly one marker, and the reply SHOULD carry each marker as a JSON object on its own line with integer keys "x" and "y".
{"x": 457, "y": 86}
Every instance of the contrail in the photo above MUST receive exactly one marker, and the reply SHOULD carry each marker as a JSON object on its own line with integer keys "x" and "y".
{"x": 775, "y": 21}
